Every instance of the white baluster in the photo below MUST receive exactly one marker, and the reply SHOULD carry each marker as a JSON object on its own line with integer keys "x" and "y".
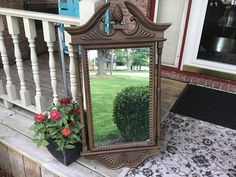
{"x": 1, "y": 88}
{"x": 10, "y": 87}
{"x": 50, "y": 37}
{"x": 13, "y": 27}
{"x": 73, "y": 79}
{"x": 30, "y": 33}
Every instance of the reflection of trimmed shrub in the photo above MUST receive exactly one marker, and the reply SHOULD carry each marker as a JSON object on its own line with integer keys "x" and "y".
{"x": 131, "y": 113}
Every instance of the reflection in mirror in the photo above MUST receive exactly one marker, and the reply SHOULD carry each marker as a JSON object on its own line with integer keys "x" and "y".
{"x": 119, "y": 83}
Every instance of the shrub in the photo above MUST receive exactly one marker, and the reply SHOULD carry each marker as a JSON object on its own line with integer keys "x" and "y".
{"x": 131, "y": 113}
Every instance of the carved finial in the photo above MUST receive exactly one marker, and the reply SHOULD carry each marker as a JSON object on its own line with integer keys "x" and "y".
{"x": 117, "y": 14}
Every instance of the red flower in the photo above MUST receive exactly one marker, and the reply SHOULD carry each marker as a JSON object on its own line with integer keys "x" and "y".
{"x": 76, "y": 111}
{"x": 65, "y": 100}
{"x": 65, "y": 132}
{"x": 39, "y": 117}
{"x": 54, "y": 114}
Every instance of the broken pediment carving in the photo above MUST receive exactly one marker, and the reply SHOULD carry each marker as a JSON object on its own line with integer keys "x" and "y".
{"x": 93, "y": 30}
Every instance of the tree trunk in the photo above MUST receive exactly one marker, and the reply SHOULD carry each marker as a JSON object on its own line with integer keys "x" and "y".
{"x": 101, "y": 63}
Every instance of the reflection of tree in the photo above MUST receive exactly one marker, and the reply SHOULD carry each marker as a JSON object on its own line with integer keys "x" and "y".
{"x": 123, "y": 57}
{"x": 103, "y": 58}
{"x": 139, "y": 57}
{"x": 135, "y": 57}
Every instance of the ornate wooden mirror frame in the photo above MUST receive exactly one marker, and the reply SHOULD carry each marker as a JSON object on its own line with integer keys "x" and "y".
{"x": 145, "y": 34}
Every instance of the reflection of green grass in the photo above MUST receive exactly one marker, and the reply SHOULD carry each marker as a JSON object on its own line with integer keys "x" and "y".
{"x": 103, "y": 93}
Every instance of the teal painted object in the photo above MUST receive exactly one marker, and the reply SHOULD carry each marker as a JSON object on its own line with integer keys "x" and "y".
{"x": 69, "y": 7}
{"x": 107, "y": 21}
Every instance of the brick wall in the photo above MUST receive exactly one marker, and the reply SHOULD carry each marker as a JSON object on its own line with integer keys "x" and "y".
{"x": 203, "y": 80}
{"x": 45, "y": 6}
{"x": 143, "y": 5}
{"x": 15, "y": 4}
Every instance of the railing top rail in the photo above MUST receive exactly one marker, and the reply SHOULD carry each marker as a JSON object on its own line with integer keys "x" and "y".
{"x": 40, "y": 16}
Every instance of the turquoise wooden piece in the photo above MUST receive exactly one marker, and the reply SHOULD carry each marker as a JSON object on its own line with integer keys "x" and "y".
{"x": 107, "y": 22}
{"x": 69, "y": 8}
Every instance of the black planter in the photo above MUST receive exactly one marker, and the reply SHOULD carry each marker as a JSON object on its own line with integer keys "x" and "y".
{"x": 67, "y": 156}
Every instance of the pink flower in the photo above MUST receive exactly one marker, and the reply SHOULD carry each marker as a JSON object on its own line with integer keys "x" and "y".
{"x": 39, "y": 117}
{"x": 54, "y": 114}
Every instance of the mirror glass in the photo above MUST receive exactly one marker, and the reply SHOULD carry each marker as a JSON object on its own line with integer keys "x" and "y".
{"x": 119, "y": 85}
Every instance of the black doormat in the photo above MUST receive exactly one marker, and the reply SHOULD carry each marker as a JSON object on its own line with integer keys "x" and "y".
{"x": 209, "y": 105}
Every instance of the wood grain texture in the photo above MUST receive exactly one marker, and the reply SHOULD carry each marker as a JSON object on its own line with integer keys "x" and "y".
{"x": 17, "y": 164}
{"x": 46, "y": 173}
{"x": 170, "y": 92}
{"x": 4, "y": 159}
{"x": 32, "y": 169}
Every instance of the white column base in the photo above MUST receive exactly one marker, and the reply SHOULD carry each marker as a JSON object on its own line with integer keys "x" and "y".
{"x": 7, "y": 104}
{"x": 40, "y": 103}
{"x": 11, "y": 92}
{"x": 25, "y": 98}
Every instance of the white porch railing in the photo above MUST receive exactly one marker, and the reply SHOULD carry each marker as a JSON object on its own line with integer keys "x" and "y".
{"x": 48, "y": 20}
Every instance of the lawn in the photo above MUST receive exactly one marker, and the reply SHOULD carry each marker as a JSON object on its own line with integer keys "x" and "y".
{"x": 103, "y": 93}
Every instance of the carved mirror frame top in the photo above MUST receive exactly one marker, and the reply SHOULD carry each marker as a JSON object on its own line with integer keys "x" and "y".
{"x": 144, "y": 34}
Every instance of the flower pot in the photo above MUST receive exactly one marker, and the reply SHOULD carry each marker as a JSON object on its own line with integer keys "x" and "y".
{"x": 67, "y": 156}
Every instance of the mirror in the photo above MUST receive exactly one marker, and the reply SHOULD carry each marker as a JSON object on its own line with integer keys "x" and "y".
{"x": 119, "y": 88}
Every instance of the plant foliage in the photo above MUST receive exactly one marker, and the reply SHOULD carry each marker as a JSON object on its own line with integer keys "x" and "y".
{"x": 61, "y": 124}
{"x": 131, "y": 113}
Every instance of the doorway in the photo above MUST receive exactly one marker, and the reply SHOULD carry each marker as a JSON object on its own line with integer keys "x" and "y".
{"x": 211, "y": 39}
{"x": 218, "y": 40}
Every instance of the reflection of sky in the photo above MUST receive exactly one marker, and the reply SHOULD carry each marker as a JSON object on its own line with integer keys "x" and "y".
{"x": 92, "y": 54}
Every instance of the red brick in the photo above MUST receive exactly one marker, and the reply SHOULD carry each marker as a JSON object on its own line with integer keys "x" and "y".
{"x": 202, "y": 81}
{"x": 232, "y": 88}
{"x": 187, "y": 78}
{"x": 216, "y": 85}
{"x": 165, "y": 74}
{"x": 181, "y": 77}
{"x": 225, "y": 87}
{"x": 173, "y": 75}
{"x": 209, "y": 83}
{"x": 195, "y": 80}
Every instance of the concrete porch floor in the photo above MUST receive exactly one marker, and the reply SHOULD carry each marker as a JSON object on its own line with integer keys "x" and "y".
{"x": 20, "y": 157}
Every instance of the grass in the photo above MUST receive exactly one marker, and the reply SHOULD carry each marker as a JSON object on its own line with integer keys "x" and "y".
{"x": 103, "y": 93}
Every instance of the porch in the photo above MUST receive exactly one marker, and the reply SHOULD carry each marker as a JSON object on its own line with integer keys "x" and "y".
{"x": 17, "y": 149}
{"x": 30, "y": 85}
{"x": 27, "y": 87}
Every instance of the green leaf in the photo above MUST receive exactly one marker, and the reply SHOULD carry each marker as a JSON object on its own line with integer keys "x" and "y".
{"x": 74, "y": 137}
{"x": 69, "y": 146}
{"x": 53, "y": 132}
{"x": 44, "y": 143}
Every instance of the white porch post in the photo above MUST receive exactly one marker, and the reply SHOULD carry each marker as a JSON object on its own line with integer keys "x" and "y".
{"x": 13, "y": 27}
{"x": 30, "y": 33}
{"x": 50, "y": 38}
{"x": 73, "y": 64}
{"x": 10, "y": 88}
